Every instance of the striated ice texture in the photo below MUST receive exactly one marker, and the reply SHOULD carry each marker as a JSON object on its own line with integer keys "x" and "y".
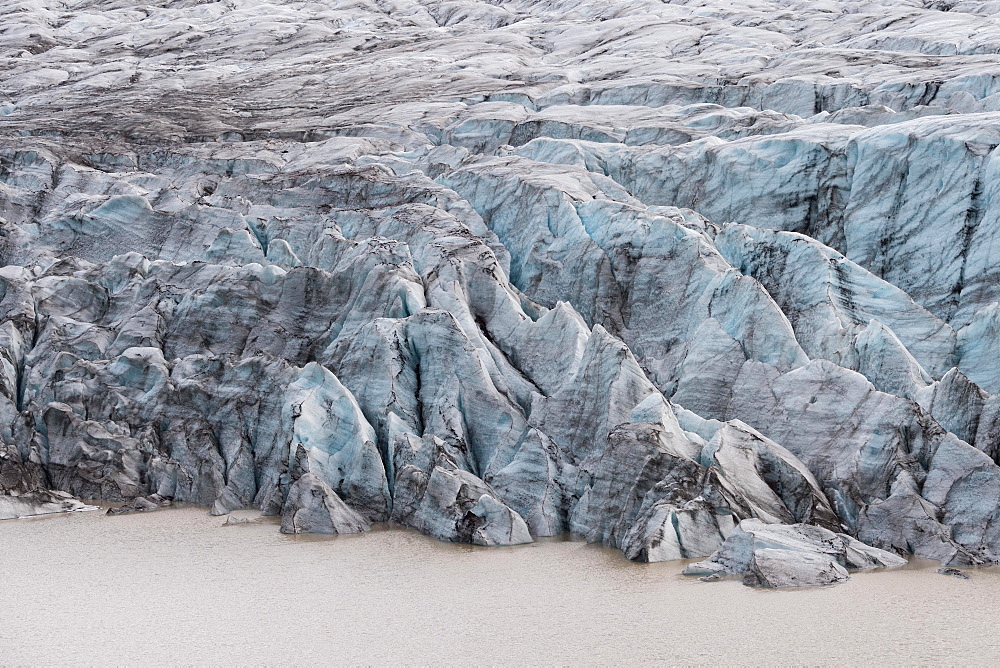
{"x": 643, "y": 271}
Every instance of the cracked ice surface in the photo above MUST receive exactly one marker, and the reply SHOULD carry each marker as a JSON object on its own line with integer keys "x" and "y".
{"x": 640, "y": 271}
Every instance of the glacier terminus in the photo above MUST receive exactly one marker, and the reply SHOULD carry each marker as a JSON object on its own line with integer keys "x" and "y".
{"x": 695, "y": 279}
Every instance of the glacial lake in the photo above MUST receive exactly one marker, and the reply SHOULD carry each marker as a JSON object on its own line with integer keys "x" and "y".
{"x": 176, "y": 586}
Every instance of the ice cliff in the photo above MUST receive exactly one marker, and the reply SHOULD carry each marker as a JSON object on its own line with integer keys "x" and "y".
{"x": 685, "y": 278}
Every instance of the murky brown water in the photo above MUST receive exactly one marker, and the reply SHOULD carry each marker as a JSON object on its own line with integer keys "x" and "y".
{"x": 174, "y": 586}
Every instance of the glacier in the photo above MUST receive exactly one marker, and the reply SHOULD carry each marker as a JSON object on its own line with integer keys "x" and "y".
{"x": 693, "y": 279}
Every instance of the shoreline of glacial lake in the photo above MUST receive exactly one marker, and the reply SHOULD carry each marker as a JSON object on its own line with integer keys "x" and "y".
{"x": 176, "y": 585}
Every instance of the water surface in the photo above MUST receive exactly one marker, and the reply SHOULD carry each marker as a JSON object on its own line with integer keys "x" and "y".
{"x": 175, "y": 586}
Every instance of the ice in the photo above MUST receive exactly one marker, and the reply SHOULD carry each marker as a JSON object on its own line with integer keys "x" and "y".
{"x": 639, "y": 272}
